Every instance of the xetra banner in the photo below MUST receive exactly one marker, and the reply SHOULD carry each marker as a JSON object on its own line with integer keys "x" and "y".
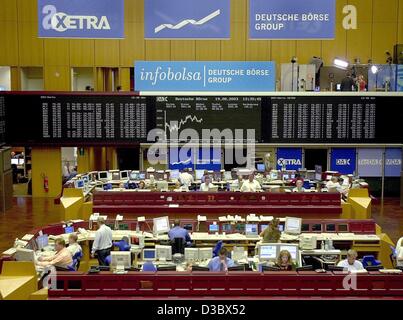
{"x": 102, "y": 19}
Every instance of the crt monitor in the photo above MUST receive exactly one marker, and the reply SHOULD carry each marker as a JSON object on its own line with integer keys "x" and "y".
{"x": 121, "y": 259}
{"x": 274, "y": 175}
{"x": 79, "y": 184}
{"x": 267, "y": 252}
{"x": 251, "y": 229}
{"x": 25, "y": 255}
{"x": 42, "y": 241}
{"x": 124, "y": 175}
{"x": 260, "y": 167}
{"x": 134, "y": 175}
{"x": 293, "y": 225}
{"x": 174, "y": 174}
{"x": 188, "y": 226}
{"x": 263, "y": 227}
{"x": 199, "y": 174}
{"x": 103, "y": 175}
{"x": 191, "y": 254}
{"x": 149, "y": 255}
{"x": 205, "y": 254}
{"x": 14, "y": 161}
{"x": 213, "y": 228}
{"x": 142, "y": 176}
{"x": 85, "y": 178}
{"x": 163, "y": 252}
{"x": 161, "y": 225}
{"x": 69, "y": 229}
{"x": 227, "y": 227}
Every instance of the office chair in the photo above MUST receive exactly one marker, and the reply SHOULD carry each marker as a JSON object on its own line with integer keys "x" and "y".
{"x": 108, "y": 260}
{"x": 78, "y": 256}
{"x": 374, "y": 268}
{"x": 198, "y": 268}
{"x": 305, "y": 268}
{"x": 122, "y": 245}
{"x": 270, "y": 268}
{"x": 237, "y": 268}
{"x": 370, "y": 261}
{"x": 148, "y": 266}
{"x": 178, "y": 246}
{"x": 166, "y": 268}
{"x": 217, "y": 248}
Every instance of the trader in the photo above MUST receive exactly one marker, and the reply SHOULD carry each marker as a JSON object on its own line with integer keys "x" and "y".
{"x": 299, "y": 186}
{"x": 74, "y": 247}
{"x": 221, "y": 262}
{"x": 186, "y": 178}
{"x": 62, "y": 258}
{"x": 251, "y": 185}
{"x": 205, "y": 174}
{"x": 284, "y": 261}
{"x": 347, "y": 84}
{"x": 102, "y": 243}
{"x": 207, "y": 185}
{"x": 178, "y": 232}
{"x": 351, "y": 263}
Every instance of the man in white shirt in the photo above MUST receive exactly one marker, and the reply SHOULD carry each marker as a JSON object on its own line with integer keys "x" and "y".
{"x": 102, "y": 243}
{"x": 186, "y": 178}
{"x": 251, "y": 185}
{"x": 351, "y": 263}
{"x": 299, "y": 186}
{"x": 207, "y": 185}
{"x": 333, "y": 185}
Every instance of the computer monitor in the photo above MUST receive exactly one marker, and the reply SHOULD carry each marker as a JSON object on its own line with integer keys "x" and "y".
{"x": 228, "y": 175}
{"x": 142, "y": 176}
{"x": 205, "y": 254}
{"x": 174, "y": 174}
{"x": 292, "y": 176}
{"x": 263, "y": 227}
{"x": 293, "y": 225}
{"x": 162, "y": 185}
{"x": 251, "y": 229}
{"x": 14, "y": 161}
{"x": 161, "y": 225}
{"x": 25, "y": 255}
{"x": 85, "y": 178}
{"x": 163, "y": 252}
{"x": 240, "y": 228}
{"x": 134, "y": 175}
{"x": 103, "y": 175}
{"x": 318, "y": 172}
{"x": 281, "y": 227}
{"x": 199, "y": 174}
{"x": 213, "y": 228}
{"x": 260, "y": 167}
{"x": 79, "y": 184}
{"x": 42, "y": 241}
{"x": 227, "y": 227}
{"x": 149, "y": 255}
{"x": 69, "y": 229}
{"x": 292, "y": 249}
{"x": 267, "y": 252}
{"x": 238, "y": 253}
{"x": 124, "y": 175}
{"x": 191, "y": 254}
{"x": 188, "y": 226}
{"x": 121, "y": 259}
{"x": 274, "y": 175}
{"x": 307, "y": 242}
{"x": 286, "y": 177}
{"x": 338, "y": 87}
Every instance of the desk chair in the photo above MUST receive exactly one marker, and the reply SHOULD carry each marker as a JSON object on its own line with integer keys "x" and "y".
{"x": 217, "y": 248}
{"x": 178, "y": 246}
{"x": 148, "y": 266}
{"x": 77, "y": 257}
{"x": 370, "y": 261}
{"x": 122, "y": 245}
{"x": 108, "y": 260}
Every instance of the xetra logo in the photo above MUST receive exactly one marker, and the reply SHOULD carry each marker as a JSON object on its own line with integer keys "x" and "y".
{"x": 289, "y": 162}
{"x": 61, "y": 22}
{"x": 343, "y": 162}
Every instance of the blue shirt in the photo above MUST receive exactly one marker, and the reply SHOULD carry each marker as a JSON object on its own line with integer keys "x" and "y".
{"x": 216, "y": 265}
{"x": 179, "y": 232}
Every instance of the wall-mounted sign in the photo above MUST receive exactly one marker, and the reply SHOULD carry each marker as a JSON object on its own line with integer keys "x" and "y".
{"x": 102, "y": 19}
{"x": 205, "y": 76}
{"x": 369, "y": 162}
{"x": 292, "y": 19}
{"x": 393, "y": 162}
{"x": 289, "y": 158}
{"x": 187, "y": 19}
{"x": 343, "y": 160}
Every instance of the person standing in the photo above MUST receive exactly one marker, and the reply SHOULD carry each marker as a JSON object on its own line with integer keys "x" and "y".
{"x": 103, "y": 242}
{"x": 347, "y": 84}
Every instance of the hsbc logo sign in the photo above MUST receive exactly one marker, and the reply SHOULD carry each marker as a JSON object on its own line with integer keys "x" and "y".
{"x": 343, "y": 162}
{"x": 61, "y": 22}
{"x": 289, "y": 162}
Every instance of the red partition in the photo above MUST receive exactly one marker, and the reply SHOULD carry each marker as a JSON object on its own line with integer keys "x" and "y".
{"x": 327, "y": 204}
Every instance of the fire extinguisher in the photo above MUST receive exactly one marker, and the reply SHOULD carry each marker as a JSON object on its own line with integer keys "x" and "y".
{"x": 45, "y": 183}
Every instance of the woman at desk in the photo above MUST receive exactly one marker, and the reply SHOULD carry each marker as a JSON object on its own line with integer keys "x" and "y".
{"x": 299, "y": 186}
{"x": 284, "y": 261}
{"x": 142, "y": 185}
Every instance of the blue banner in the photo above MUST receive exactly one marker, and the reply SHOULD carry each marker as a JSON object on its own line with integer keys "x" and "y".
{"x": 209, "y": 159}
{"x": 292, "y": 19}
{"x": 381, "y": 76}
{"x": 290, "y": 158}
{"x": 81, "y": 19}
{"x": 393, "y": 162}
{"x": 204, "y": 76}
{"x": 181, "y": 158}
{"x": 399, "y": 78}
{"x": 370, "y": 162}
{"x": 187, "y": 19}
{"x": 343, "y": 160}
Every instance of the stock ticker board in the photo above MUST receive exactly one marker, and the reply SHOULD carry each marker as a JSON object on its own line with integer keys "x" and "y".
{"x": 123, "y": 119}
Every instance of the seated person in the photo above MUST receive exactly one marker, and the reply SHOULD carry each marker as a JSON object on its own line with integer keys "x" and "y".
{"x": 62, "y": 258}
{"x": 237, "y": 184}
{"x": 142, "y": 185}
{"x": 333, "y": 185}
{"x": 284, "y": 261}
{"x": 74, "y": 247}
{"x": 205, "y": 174}
{"x": 251, "y": 185}
{"x": 299, "y": 186}
{"x": 178, "y": 232}
{"x": 351, "y": 263}
{"x": 207, "y": 185}
{"x": 221, "y": 262}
